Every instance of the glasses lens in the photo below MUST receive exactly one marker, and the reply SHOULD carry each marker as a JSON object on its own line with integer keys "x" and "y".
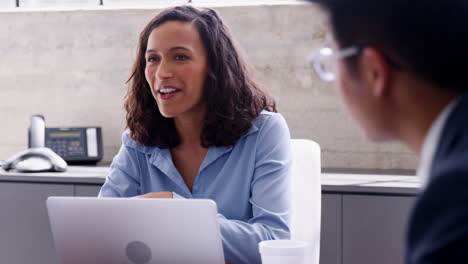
{"x": 324, "y": 65}
{"x": 325, "y": 70}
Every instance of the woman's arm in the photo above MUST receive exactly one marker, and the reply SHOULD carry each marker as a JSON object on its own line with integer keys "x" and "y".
{"x": 270, "y": 196}
{"x": 123, "y": 179}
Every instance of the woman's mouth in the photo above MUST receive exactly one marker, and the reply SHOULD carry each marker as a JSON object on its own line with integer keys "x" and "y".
{"x": 167, "y": 93}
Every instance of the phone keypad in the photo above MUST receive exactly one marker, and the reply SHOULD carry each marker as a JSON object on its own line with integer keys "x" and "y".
{"x": 66, "y": 148}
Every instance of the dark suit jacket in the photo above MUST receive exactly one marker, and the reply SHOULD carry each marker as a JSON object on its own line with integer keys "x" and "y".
{"x": 438, "y": 226}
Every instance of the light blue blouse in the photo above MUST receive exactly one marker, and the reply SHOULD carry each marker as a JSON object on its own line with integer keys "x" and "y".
{"x": 249, "y": 181}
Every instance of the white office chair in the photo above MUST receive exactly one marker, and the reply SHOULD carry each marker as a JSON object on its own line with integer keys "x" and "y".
{"x": 306, "y": 196}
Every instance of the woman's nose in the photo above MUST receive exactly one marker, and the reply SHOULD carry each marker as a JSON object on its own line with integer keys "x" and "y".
{"x": 164, "y": 71}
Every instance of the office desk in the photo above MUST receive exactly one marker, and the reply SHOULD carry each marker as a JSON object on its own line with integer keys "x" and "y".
{"x": 24, "y": 227}
{"x": 363, "y": 216}
{"x": 74, "y": 174}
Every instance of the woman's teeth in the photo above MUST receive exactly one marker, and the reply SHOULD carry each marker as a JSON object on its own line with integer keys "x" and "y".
{"x": 167, "y": 90}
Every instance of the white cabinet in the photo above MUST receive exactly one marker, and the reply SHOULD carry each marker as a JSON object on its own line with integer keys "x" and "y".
{"x": 24, "y": 225}
{"x": 364, "y": 228}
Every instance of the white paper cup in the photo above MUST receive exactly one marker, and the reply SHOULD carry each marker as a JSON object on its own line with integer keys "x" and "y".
{"x": 283, "y": 251}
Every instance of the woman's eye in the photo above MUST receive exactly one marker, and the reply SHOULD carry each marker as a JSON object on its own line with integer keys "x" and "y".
{"x": 152, "y": 59}
{"x": 181, "y": 57}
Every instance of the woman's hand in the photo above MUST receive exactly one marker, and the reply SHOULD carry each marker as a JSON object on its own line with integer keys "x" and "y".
{"x": 156, "y": 195}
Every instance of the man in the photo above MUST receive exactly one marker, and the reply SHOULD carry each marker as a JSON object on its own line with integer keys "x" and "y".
{"x": 400, "y": 68}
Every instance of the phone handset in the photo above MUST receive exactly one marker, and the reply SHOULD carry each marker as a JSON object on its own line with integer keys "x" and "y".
{"x": 37, "y": 158}
{"x": 37, "y": 132}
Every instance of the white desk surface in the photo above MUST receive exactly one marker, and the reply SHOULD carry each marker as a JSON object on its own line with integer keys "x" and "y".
{"x": 370, "y": 183}
{"x": 331, "y": 182}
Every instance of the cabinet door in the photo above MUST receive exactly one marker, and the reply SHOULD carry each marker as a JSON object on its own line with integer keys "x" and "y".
{"x": 87, "y": 190}
{"x": 374, "y": 228}
{"x": 330, "y": 237}
{"x": 25, "y": 235}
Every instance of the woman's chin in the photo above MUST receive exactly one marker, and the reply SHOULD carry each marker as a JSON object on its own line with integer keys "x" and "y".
{"x": 167, "y": 113}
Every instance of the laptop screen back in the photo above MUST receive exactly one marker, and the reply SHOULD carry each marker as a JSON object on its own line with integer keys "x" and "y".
{"x": 135, "y": 230}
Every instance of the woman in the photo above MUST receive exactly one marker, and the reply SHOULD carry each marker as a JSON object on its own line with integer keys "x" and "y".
{"x": 200, "y": 127}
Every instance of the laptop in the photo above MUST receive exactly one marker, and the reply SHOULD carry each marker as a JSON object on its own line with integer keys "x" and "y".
{"x": 135, "y": 230}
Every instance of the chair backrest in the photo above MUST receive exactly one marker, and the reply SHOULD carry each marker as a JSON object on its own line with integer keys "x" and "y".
{"x": 306, "y": 195}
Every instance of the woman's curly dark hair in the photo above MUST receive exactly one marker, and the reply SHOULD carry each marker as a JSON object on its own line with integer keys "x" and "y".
{"x": 233, "y": 98}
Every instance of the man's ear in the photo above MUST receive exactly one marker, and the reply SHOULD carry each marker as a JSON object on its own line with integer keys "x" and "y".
{"x": 376, "y": 71}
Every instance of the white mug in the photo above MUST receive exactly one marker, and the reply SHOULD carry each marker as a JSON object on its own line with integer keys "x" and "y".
{"x": 283, "y": 251}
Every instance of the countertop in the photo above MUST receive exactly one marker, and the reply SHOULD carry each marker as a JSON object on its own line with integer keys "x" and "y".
{"x": 74, "y": 174}
{"x": 370, "y": 183}
{"x": 331, "y": 182}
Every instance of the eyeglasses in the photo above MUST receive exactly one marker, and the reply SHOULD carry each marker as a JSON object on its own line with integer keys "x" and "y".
{"x": 324, "y": 61}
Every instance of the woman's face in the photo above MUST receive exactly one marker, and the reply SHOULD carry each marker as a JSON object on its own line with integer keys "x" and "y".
{"x": 176, "y": 69}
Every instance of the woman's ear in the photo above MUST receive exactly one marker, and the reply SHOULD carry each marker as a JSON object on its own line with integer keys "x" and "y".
{"x": 375, "y": 71}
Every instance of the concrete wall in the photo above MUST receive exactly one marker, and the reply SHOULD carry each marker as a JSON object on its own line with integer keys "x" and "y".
{"x": 72, "y": 66}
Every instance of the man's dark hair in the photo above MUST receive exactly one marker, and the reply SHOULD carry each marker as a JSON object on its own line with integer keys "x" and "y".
{"x": 232, "y": 96}
{"x": 427, "y": 37}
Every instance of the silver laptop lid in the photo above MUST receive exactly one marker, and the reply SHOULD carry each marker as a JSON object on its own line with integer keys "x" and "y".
{"x": 135, "y": 230}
